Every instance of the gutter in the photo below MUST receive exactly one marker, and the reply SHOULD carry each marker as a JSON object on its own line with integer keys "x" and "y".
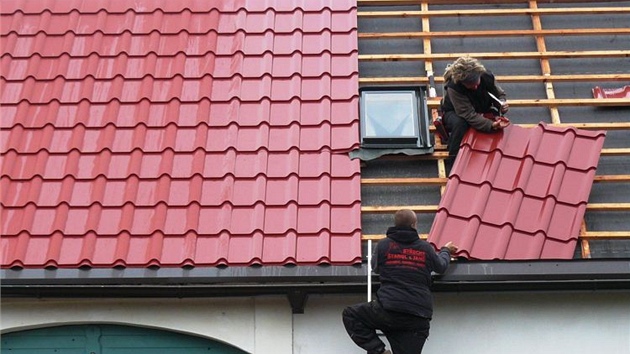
{"x": 298, "y": 281}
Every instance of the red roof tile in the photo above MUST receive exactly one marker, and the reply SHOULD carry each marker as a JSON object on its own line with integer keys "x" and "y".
{"x": 618, "y": 92}
{"x": 519, "y": 194}
{"x": 173, "y": 133}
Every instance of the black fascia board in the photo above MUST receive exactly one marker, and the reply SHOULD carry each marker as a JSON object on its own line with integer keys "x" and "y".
{"x": 247, "y": 281}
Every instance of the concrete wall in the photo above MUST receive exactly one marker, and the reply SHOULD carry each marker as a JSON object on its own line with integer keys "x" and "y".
{"x": 466, "y": 323}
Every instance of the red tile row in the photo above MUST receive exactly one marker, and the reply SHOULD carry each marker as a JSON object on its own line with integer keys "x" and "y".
{"x": 482, "y": 241}
{"x": 170, "y": 23}
{"x": 172, "y": 220}
{"x": 56, "y": 7}
{"x": 99, "y": 68}
{"x": 521, "y": 211}
{"x": 195, "y": 45}
{"x": 310, "y": 21}
{"x": 575, "y": 148}
{"x": 186, "y": 90}
{"x": 183, "y": 114}
{"x": 177, "y": 165}
{"x": 151, "y": 140}
{"x": 189, "y": 249}
{"x": 518, "y": 194}
{"x": 525, "y": 175}
{"x": 279, "y": 191}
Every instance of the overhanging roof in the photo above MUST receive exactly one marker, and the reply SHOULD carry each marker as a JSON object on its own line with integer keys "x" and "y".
{"x": 235, "y": 281}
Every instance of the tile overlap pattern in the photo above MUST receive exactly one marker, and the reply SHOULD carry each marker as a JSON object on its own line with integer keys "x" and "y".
{"x": 519, "y": 194}
{"x": 179, "y": 133}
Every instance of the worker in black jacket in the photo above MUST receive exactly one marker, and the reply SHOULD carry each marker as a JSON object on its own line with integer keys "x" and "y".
{"x": 467, "y": 101}
{"x": 404, "y": 304}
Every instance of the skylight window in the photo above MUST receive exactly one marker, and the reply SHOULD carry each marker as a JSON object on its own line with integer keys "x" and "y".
{"x": 394, "y": 117}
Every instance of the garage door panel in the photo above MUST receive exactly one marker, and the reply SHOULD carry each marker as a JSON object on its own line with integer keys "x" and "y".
{"x": 148, "y": 341}
{"x": 159, "y": 351}
{"x": 44, "y": 351}
{"x": 45, "y": 341}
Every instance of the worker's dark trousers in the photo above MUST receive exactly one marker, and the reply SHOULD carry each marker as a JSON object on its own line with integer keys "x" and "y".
{"x": 406, "y": 333}
{"x": 456, "y": 127}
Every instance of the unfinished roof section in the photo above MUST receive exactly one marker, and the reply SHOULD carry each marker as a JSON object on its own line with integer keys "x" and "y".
{"x": 519, "y": 194}
{"x": 547, "y": 56}
{"x": 179, "y": 133}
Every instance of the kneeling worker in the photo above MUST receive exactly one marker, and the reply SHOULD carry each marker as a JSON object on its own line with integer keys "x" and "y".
{"x": 471, "y": 98}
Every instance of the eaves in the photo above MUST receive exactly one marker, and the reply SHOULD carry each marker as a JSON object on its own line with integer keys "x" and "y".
{"x": 247, "y": 281}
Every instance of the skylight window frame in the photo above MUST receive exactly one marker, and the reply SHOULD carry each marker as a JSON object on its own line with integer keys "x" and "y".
{"x": 419, "y": 119}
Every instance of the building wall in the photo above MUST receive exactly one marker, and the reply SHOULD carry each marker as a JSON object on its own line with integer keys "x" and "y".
{"x": 541, "y": 322}
{"x": 256, "y": 325}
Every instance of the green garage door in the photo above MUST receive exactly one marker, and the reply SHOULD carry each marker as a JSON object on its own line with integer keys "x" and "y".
{"x": 108, "y": 339}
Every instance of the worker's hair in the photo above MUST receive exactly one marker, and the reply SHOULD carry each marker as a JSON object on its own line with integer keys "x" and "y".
{"x": 464, "y": 69}
{"x": 405, "y": 218}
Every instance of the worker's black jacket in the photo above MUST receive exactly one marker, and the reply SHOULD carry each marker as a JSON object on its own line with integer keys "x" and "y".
{"x": 404, "y": 263}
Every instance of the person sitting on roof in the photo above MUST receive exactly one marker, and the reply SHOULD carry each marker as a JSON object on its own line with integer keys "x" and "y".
{"x": 467, "y": 101}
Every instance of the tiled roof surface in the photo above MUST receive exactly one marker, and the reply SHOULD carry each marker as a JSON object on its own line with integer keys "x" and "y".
{"x": 520, "y": 194}
{"x": 171, "y": 133}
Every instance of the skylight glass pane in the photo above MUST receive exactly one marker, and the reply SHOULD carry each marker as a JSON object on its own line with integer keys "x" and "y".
{"x": 389, "y": 114}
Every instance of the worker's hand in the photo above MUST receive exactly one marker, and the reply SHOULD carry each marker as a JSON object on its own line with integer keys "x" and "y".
{"x": 451, "y": 247}
{"x": 505, "y": 107}
{"x": 500, "y": 123}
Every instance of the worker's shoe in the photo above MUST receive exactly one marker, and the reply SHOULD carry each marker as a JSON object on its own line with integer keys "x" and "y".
{"x": 386, "y": 351}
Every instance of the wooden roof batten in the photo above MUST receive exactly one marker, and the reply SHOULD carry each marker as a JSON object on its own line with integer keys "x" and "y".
{"x": 462, "y": 2}
{"x": 503, "y": 78}
{"x": 547, "y": 78}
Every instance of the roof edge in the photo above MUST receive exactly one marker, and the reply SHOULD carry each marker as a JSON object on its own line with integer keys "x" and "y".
{"x": 250, "y": 281}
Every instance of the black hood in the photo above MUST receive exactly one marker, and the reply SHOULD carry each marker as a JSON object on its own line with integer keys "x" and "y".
{"x": 403, "y": 234}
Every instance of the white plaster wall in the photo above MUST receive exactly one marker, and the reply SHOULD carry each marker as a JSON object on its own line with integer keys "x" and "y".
{"x": 491, "y": 323}
{"x": 241, "y": 322}
{"x": 558, "y": 322}
{"x": 464, "y": 323}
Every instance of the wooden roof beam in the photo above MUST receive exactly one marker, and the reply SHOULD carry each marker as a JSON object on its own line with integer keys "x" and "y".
{"x": 503, "y": 78}
{"x": 441, "y": 181}
{"x": 588, "y": 235}
{"x": 444, "y": 154}
{"x": 380, "y": 209}
{"x": 545, "y": 102}
{"x": 496, "y": 12}
{"x": 455, "y": 2}
{"x": 500, "y": 55}
{"x": 496, "y": 33}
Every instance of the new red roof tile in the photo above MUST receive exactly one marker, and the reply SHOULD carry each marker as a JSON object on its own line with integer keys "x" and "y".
{"x": 189, "y": 133}
{"x": 618, "y": 92}
{"x": 518, "y": 194}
